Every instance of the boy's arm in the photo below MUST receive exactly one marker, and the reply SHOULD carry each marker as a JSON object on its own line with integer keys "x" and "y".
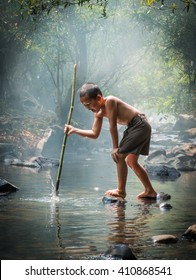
{"x": 90, "y": 133}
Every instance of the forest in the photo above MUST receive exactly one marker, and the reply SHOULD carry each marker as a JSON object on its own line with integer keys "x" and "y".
{"x": 142, "y": 51}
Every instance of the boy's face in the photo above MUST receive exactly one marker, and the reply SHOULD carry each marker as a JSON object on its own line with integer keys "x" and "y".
{"x": 92, "y": 104}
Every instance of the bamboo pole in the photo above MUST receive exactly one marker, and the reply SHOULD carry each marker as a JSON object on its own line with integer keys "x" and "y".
{"x": 66, "y": 134}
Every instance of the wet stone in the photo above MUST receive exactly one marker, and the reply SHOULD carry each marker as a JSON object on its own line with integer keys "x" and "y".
{"x": 162, "y": 171}
{"x": 190, "y": 233}
{"x": 6, "y": 187}
{"x": 163, "y": 196}
{"x": 165, "y": 206}
{"x": 164, "y": 239}
{"x": 107, "y": 199}
{"x": 119, "y": 252}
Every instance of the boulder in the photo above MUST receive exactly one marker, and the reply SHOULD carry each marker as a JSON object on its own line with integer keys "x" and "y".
{"x": 190, "y": 233}
{"x": 157, "y": 156}
{"x": 185, "y": 157}
{"x": 162, "y": 171}
{"x": 188, "y": 134}
{"x": 184, "y": 122}
{"x": 188, "y": 149}
{"x": 119, "y": 252}
{"x": 185, "y": 163}
{"x": 166, "y": 163}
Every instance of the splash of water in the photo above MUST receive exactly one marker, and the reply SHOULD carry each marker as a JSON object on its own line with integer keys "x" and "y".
{"x": 54, "y": 194}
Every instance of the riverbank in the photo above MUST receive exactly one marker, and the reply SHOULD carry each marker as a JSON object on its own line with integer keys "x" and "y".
{"x": 24, "y": 137}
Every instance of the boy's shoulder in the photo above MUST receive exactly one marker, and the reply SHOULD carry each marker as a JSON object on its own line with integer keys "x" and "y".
{"x": 112, "y": 98}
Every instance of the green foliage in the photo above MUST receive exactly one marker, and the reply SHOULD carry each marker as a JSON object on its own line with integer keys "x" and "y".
{"x": 142, "y": 53}
{"x": 168, "y": 5}
{"x": 172, "y": 45}
{"x": 34, "y": 8}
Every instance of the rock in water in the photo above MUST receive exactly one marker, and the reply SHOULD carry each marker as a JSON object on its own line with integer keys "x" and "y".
{"x": 6, "y": 187}
{"x": 119, "y": 252}
{"x": 107, "y": 199}
{"x": 162, "y": 171}
{"x": 163, "y": 196}
{"x": 165, "y": 206}
{"x": 165, "y": 239}
{"x": 190, "y": 233}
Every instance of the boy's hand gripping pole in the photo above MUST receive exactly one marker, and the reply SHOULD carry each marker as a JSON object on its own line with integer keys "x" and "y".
{"x": 66, "y": 134}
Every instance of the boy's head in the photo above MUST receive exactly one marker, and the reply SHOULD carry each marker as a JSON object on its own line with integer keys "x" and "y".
{"x": 91, "y": 97}
{"x": 90, "y": 90}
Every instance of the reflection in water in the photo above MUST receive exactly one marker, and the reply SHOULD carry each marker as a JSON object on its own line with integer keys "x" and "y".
{"x": 72, "y": 245}
{"x": 35, "y": 223}
{"x": 126, "y": 228}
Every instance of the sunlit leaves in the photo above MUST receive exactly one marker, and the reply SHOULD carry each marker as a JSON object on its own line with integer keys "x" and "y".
{"x": 172, "y": 5}
{"x": 34, "y": 8}
{"x": 149, "y": 2}
{"x": 188, "y": 4}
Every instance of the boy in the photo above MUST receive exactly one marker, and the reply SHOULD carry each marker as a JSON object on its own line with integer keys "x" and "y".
{"x": 135, "y": 141}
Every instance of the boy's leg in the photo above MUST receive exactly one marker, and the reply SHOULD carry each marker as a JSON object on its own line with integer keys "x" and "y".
{"x": 132, "y": 161}
{"x": 122, "y": 177}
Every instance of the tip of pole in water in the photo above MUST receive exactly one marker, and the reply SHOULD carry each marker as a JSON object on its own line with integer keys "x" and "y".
{"x": 57, "y": 184}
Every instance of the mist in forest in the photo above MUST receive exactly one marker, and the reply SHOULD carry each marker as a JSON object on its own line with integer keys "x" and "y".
{"x": 129, "y": 53}
{"x": 109, "y": 51}
{"x": 105, "y": 52}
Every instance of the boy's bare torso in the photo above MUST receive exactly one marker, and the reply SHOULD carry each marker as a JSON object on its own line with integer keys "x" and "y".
{"x": 117, "y": 109}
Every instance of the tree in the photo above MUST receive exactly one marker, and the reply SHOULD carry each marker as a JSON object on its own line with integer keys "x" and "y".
{"x": 10, "y": 46}
{"x": 171, "y": 37}
{"x": 132, "y": 51}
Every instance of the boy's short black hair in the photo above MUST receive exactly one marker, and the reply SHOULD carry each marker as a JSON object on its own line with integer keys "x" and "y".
{"x": 90, "y": 89}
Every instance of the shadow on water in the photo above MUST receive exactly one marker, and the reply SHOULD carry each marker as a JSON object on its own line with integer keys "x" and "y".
{"x": 75, "y": 224}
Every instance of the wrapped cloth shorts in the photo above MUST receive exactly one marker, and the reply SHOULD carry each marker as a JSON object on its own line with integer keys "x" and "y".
{"x": 136, "y": 137}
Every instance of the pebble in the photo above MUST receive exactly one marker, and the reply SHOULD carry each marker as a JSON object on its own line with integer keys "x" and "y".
{"x": 163, "y": 196}
{"x": 165, "y": 206}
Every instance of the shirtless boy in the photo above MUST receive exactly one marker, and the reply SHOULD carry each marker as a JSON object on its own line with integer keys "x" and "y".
{"x": 135, "y": 141}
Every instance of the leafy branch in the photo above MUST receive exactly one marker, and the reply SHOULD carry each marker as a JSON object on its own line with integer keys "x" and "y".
{"x": 35, "y": 8}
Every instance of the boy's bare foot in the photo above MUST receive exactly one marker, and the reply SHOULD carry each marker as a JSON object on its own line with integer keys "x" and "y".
{"x": 116, "y": 193}
{"x": 146, "y": 194}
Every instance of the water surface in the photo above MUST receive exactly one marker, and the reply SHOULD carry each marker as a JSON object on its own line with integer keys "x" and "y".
{"x": 35, "y": 224}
